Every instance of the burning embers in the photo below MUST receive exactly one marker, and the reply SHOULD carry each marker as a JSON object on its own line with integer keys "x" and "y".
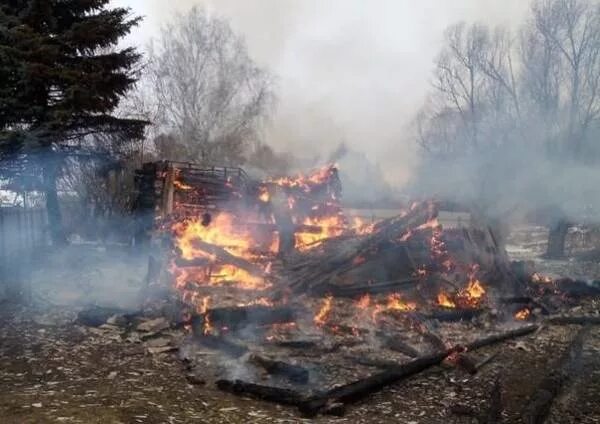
{"x": 233, "y": 259}
{"x": 219, "y": 253}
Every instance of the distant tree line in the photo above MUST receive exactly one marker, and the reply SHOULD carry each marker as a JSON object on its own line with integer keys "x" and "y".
{"x": 538, "y": 85}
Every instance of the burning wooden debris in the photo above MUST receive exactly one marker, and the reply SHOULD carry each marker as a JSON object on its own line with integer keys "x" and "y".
{"x": 273, "y": 275}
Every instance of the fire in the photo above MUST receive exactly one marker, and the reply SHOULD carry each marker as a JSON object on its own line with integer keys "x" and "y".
{"x": 475, "y": 290}
{"x": 207, "y": 327}
{"x": 181, "y": 185}
{"x": 204, "y": 305}
{"x": 264, "y": 195}
{"x": 263, "y": 301}
{"x": 308, "y": 183}
{"x": 395, "y": 303}
{"x": 444, "y": 300}
{"x": 331, "y": 226}
{"x": 539, "y": 278}
{"x": 523, "y": 314}
{"x": 323, "y": 314}
{"x": 220, "y": 232}
{"x": 364, "y": 302}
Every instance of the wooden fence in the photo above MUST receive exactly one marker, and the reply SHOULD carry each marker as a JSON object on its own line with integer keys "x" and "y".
{"x": 22, "y": 232}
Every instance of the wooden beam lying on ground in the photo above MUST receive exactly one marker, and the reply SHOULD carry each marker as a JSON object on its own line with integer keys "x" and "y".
{"x": 242, "y": 316}
{"x": 568, "y": 320}
{"x": 267, "y": 393}
{"x": 293, "y": 373}
{"x": 357, "y": 390}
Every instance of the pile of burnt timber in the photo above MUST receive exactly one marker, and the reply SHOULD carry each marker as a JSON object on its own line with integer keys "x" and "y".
{"x": 394, "y": 254}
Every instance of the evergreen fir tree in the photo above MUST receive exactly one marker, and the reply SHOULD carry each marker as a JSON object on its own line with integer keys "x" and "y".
{"x": 61, "y": 78}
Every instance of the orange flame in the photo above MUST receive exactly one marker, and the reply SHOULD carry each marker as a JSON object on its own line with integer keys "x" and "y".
{"x": 330, "y": 226}
{"x": 444, "y": 300}
{"x": 264, "y": 195}
{"x": 207, "y": 329}
{"x": 395, "y": 303}
{"x": 364, "y": 302}
{"x": 523, "y": 314}
{"x": 323, "y": 314}
{"x": 539, "y": 278}
{"x": 181, "y": 185}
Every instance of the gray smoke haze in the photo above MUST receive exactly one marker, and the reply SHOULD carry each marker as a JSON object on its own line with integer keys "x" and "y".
{"x": 348, "y": 70}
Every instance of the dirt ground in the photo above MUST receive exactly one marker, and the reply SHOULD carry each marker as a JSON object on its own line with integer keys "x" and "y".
{"x": 56, "y": 371}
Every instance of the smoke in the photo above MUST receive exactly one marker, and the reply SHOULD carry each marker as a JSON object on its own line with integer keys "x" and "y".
{"x": 347, "y": 70}
{"x": 514, "y": 183}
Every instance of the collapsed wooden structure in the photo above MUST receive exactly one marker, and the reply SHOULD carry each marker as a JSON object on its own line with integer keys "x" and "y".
{"x": 395, "y": 287}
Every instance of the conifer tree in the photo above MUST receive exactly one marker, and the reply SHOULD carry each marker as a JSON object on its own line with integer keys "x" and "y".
{"x": 61, "y": 78}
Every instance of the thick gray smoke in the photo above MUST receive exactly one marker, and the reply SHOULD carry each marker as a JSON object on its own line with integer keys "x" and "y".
{"x": 348, "y": 70}
{"x": 514, "y": 183}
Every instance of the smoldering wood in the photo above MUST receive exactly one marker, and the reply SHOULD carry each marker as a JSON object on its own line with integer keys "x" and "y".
{"x": 266, "y": 393}
{"x": 364, "y": 387}
{"x": 454, "y": 315}
{"x": 397, "y": 345}
{"x": 372, "y": 362}
{"x": 497, "y": 338}
{"x": 361, "y": 289}
{"x": 96, "y": 316}
{"x": 190, "y": 263}
{"x": 222, "y": 344}
{"x": 529, "y": 301}
{"x": 295, "y": 344}
{"x": 567, "y": 368}
{"x": 293, "y": 373}
{"x": 573, "y": 320}
{"x": 463, "y": 361}
{"x": 357, "y": 390}
{"x": 576, "y": 288}
{"x": 237, "y": 317}
{"x": 314, "y": 270}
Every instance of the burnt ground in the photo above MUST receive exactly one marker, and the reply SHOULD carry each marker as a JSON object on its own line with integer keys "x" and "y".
{"x": 53, "y": 370}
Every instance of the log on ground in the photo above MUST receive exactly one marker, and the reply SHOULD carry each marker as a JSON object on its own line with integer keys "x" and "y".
{"x": 267, "y": 393}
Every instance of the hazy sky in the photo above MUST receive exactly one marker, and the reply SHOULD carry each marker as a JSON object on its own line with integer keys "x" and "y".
{"x": 352, "y": 70}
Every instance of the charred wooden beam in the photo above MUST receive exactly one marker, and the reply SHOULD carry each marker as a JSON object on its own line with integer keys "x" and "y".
{"x": 267, "y": 393}
{"x": 538, "y": 406}
{"x": 454, "y": 315}
{"x": 295, "y": 344}
{"x": 189, "y": 263}
{"x": 242, "y": 316}
{"x": 294, "y": 373}
{"x": 394, "y": 343}
{"x": 364, "y": 387}
{"x": 497, "y": 338}
{"x": 568, "y": 320}
{"x": 576, "y": 288}
{"x": 360, "y": 289}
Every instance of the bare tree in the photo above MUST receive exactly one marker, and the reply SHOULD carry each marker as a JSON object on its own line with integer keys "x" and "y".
{"x": 207, "y": 92}
{"x": 570, "y": 29}
{"x": 458, "y": 76}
